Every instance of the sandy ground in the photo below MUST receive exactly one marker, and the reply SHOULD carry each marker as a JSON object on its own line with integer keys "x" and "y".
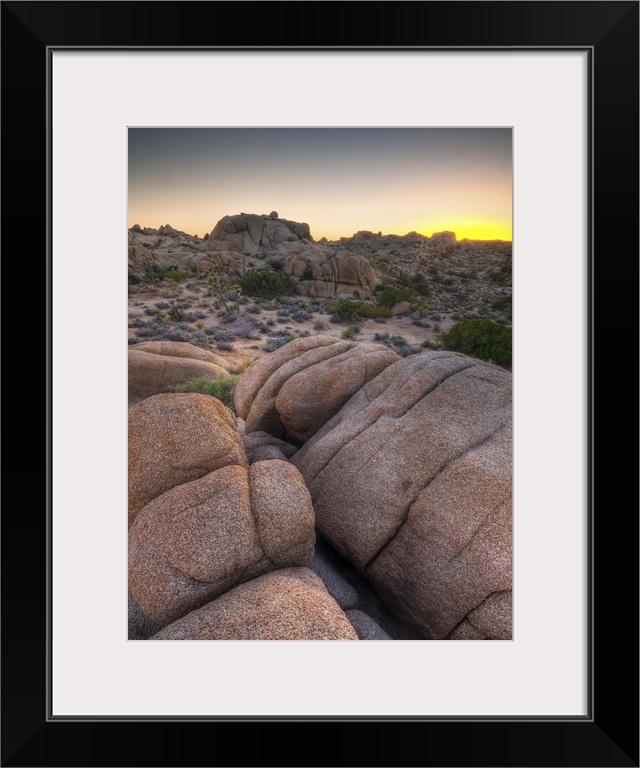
{"x": 145, "y": 297}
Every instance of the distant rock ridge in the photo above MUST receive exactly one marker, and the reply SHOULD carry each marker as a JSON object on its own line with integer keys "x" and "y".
{"x": 234, "y": 244}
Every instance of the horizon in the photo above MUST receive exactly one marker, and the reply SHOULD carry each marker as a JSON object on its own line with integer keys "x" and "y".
{"x": 337, "y": 180}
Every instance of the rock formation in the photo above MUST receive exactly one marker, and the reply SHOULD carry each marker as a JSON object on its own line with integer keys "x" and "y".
{"x": 156, "y": 366}
{"x": 200, "y": 539}
{"x": 288, "y": 604}
{"x": 411, "y": 482}
{"x": 177, "y": 438}
{"x": 296, "y": 389}
{"x": 318, "y": 270}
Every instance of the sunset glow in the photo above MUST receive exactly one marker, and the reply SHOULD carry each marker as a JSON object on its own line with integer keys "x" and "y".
{"x": 338, "y": 180}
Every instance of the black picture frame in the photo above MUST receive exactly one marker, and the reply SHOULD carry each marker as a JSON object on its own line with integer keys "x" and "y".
{"x": 608, "y": 736}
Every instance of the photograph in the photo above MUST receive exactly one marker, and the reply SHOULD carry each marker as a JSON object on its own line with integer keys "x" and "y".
{"x": 329, "y": 421}
{"x": 319, "y": 396}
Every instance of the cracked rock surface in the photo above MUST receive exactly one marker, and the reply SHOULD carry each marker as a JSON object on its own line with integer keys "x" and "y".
{"x": 287, "y": 604}
{"x": 411, "y": 482}
{"x": 200, "y": 539}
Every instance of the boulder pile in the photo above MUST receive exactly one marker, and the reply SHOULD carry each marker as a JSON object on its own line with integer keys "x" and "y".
{"x": 403, "y": 465}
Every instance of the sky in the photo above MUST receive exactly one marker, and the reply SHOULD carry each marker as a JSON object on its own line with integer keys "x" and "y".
{"x": 337, "y": 180}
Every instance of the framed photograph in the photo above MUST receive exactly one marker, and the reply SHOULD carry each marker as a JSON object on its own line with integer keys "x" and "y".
{"x": 563, "y": 77}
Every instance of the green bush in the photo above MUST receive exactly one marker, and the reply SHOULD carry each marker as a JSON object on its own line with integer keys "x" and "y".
{"x": 369, "y": 311}
{"x": 484, "y": 339}
{"x": 345, "y": 309}
{"x": 153, "y": 273}
{"x": 266, "y": 284}
{"x": 221, "y": 387}
{"x": 410, "y": 289}
{"x": 350, "y": 332}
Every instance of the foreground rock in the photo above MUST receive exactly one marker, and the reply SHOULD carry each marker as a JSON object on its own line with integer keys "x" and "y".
{"x": 295, "y": 390}
{"x": 288, "y": 604}
{"x": 157, "y": 366}
{"x": 199, "y": 539}
{"x": 257, "y": 443}
{"x": 140, "y": 626}
{"x": 177, "y": 438}
{"x": 411, "y": 482}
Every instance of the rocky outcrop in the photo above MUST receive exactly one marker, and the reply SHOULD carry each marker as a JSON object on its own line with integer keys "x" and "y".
{"x": 317, "y": 270}
{"x": 177, "y": 438}
{"x": 287, "y": 604}
{"x": 295, "y": 390}
{"x": 200, "y": 539}
{"x": 411, "y": 482}
{"x": 443, "y": 243}
{"x": 251, "y": 234}
{"x": 158, "y": 366}
{"x": 322, "y": 272}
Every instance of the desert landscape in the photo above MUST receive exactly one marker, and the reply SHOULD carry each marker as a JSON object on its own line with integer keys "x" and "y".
{"x": 319, "y": 434}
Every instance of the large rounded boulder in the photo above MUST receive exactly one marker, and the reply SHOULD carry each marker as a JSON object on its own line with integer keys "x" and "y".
{"x": 287, "y": 604}
{"x": 411, "y": 482}
{"x": 158, "y": 366}
{"x": 200, "y": 539}
{"x": 177, "y": 438}
{"x": 295, "y": 390}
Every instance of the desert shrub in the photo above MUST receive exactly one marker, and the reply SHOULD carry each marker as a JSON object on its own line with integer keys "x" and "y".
{"x": 153, "y": 273}
{"x": 319, "y": 326}
{"x": 133, "y": 279}
{"x": 388, "y": 293}
{"x": 303, "y": 334}
{"x": 265, "y": 283}
{"x": 371, "y": 312}
{"x": 254, "y": 309}
{"x": 243, "y": 326}
{"x": 307, "y": 274}
{"x": 244, "y": 364}
{"x": 175, "y": 335}
{"x": 301, "y": 315}
{"x": 350, "y": 332}
{"x": 406, "y": 350}
{"x": 483, "y": 339}
{"x": 224, "y": 346}
{"x": 220, "y": 334}
{"x": 397, "y": 343}
{"x": 221, "y": 387}
{"x": 163, "y": 305}
{"x": 272, "y": 344}
{"x": 343, "y": 309}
